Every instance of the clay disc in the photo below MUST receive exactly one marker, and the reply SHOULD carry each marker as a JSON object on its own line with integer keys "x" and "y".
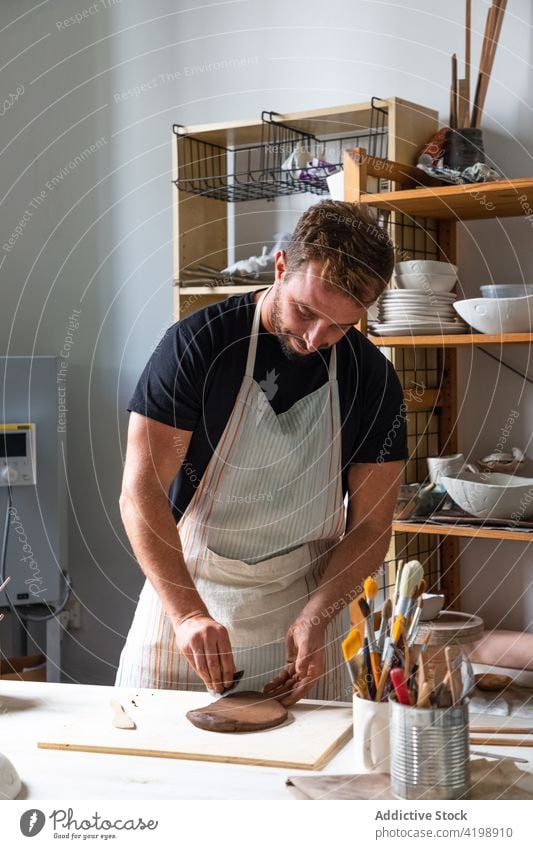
{"x": 246, "y": 711}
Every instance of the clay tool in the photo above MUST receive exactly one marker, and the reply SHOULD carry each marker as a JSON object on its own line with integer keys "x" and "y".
{"x": 453, "y": 677}
{"x": 397, "y": 631}
{"x": 370, "y": 587}
{"x": 120, "y": 717}
{"x": 6, "y": 582}
{"x": 386, "y": 614}
{"x": 400, "y": 686}
{"x": 375, "y": 657}
{"x": 236, "y": 678}
{"x": 500, "y": 757}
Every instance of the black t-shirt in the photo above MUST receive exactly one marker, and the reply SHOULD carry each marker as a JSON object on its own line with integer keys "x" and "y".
{"x": 192, "y": 379}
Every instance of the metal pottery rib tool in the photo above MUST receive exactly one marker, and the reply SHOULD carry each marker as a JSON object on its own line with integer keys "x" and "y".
{"x": 236, "y": 678}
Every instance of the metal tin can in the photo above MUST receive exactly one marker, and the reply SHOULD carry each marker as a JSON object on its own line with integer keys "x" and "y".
{"x": 430, "y": 756}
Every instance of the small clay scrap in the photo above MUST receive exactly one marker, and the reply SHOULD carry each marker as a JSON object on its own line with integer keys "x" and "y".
{"x": 120, "y": 717}
{"x": 246, "y": 711}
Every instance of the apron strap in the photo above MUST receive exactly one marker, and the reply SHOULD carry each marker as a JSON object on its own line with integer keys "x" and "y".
{"x": 252, "y": 347}
{"x": 333, "y": 363}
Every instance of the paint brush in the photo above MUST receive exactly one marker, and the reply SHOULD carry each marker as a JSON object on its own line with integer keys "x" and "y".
{"x": 412, "y": 575}
{"x": 397, "y": 631}
{"x": 453, "y": 665}
{"x": 373, "y": 651}
{"x": 400, "y": 686}
{"x": 351, "y": 647}
{"x": 386, "y": 614}
{"x": 415, "y": 621}
{"x": 370, "y": 587}
{"x": 397, "y": 583}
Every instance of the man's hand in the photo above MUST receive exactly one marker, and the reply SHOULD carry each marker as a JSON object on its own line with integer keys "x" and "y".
{"x": 305, "y": 663}
{"x": 205, "y": 645}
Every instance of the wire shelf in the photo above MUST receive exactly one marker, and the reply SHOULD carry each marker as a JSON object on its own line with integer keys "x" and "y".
{"x": 286, "y": 162}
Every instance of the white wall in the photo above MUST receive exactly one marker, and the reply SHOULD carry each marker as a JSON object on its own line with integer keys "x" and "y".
{"x": 100, "y": 241}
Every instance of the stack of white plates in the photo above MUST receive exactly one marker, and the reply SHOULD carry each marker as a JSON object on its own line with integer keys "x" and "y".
{"x": 417, "y": 312}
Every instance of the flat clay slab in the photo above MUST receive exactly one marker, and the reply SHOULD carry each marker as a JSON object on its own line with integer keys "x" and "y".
{"x": 246, "y": 711}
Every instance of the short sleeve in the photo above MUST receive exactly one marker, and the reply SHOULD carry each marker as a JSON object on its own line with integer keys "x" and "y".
{"x": 171, "y": 385}
{"x": 382, "y": 436}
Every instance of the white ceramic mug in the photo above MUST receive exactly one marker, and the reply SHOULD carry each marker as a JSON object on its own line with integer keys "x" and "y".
{"x": 371, "y": 735}
{"x": 449, "y": 466}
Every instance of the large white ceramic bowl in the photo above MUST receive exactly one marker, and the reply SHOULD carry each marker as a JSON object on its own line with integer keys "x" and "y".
{"x": 426, "y": 281}
{"x": 425, "y": 266}
{"x": 492, "y": 496}
{"x": 506, "y": 290}
{"x": 497, "y": 315}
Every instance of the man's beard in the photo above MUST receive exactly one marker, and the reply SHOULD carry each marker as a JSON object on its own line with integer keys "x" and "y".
{"x": 281, "y": 334}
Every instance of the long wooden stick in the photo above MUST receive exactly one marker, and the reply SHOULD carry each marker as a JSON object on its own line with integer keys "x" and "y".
{"x": 468, "y": 29}
{"x": 498, "y": 21}
{"x": 482, "y": 62}
{"x": 497, "y": 741}
{"x": 499, "y": 729}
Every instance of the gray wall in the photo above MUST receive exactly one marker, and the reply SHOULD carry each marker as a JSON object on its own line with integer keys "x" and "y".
{"x": 99, "y": 240}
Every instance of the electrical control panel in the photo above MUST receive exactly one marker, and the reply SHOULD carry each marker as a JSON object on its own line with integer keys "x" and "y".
{"x": 17, "y": 455}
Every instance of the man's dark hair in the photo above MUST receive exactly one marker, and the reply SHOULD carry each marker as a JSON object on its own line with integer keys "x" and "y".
{"x": 355, "y": 253}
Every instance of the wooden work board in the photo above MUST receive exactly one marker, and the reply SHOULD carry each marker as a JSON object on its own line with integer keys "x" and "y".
{"x": 314, "y": 732}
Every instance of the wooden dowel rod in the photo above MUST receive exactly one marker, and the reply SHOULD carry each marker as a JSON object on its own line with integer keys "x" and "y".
{"x": 489, "y": 729}
{"x": 498, "y": 741}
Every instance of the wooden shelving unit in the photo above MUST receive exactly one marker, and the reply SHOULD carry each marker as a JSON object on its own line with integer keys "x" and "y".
{"x": 440, "y": 208}
{"x": 416, "y": 206}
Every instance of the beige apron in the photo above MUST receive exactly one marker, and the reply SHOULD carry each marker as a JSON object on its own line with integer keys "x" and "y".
{"x": 256, "y": 538}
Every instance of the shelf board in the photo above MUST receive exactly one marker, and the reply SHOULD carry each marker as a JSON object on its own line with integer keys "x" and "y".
{"x": 498, "y": 199}
{"x": 337, "y": 120}
{"x": 461, "y": 531}
{"x": 462, "y": 339}
{"x": 223, "y": 291}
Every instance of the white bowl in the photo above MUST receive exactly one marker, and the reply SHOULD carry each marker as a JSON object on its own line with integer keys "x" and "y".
{"x": 492, "y": 496}
{"x": 497, "y": 315}
{"x": 506, "y": 290}
{"x": 425, "y": 266}
{"x": 432, "y": 282}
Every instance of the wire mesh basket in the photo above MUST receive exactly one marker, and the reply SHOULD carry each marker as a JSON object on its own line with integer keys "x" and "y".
{"x": 286, "y": 162}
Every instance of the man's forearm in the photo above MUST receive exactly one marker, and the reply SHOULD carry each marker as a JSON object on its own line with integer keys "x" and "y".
{"x": 360, "y": 553}
{"x": 157, "y": 547}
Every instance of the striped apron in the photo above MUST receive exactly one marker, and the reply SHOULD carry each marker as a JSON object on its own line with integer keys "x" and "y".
{"x": 256, "y": 538}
